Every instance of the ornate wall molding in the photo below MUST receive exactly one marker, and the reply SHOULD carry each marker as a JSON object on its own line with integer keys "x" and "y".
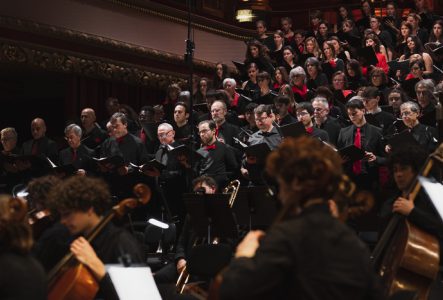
{"x": 89, "y": 40}
{"x": 12, "y": 52}
{"x": 179, "y": 16}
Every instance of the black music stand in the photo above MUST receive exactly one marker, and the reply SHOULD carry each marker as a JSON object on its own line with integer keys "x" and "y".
{"x": 210, "y": 216}
{"x": 254, "y": 208}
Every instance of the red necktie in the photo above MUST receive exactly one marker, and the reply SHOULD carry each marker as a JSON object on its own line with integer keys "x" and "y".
{"x": 216, "y": 131}
{"x": 120, "y": 139}
{"x": 143, "y": 136}
{"x": 210, "y": 147}
{"x": 74, "y": 155}
{"x": 356, "y": 167}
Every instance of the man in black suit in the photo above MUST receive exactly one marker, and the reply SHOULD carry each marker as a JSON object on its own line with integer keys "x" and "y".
{"x": 93, "y": 135}
{"x": 225, "y": 131}
{"x": 323, "y": 120}
{"x": 371, "y": 99}
{"x": 77, "y": 153}
{"x": 218, "y": 157}
{"x": 282, "y": 103}
{"x": 305, "y": 114}
{"x": 40, "y": 145}
{"x": 130, "y": 148}
{"x": 367, "y": 137}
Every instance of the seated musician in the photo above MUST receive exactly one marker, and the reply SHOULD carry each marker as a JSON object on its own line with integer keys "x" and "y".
{"x": 201, "y": 185}
{"x": 405, "y": 164}
{"x": 82, "y": 203}
{"x": 307, "y": 254}
{"x": 22, "y": 277}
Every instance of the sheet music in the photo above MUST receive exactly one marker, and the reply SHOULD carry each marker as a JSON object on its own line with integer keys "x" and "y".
{"x": 434, "y": 191}
{"x": 133, "y": 283}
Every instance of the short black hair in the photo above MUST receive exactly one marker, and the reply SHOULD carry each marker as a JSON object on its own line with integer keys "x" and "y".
{"x": 205, "y": 179}
{"x": 306, "y": 105}
{"x": 251, "y": 107}
{"x": 355, "y": 103}
{"x": 184, "y": 105}
{"x": 282, "y": 99}
{"x": 410, "y": 155}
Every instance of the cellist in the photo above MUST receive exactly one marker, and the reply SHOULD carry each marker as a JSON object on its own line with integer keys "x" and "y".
{"x": 82, "y": 203}
{"x": 405, "y": 164}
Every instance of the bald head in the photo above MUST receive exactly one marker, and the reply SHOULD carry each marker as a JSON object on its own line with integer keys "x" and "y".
{"x": 38, "y": 128}
{"x": 88, "y": 118}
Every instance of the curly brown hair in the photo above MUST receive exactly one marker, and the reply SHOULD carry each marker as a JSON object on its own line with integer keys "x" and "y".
{"x": 310, "y": 168}
{"x": 39, "y": 188}
{"x": 81, "y": 193}
{"x": 15, "y": 231}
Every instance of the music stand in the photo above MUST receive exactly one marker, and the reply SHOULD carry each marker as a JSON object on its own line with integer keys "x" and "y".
{"x": 210, "y": 216}
{"x": 253, "y": 208}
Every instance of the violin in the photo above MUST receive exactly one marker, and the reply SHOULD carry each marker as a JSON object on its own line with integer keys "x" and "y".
{"x": 70, "y": 279}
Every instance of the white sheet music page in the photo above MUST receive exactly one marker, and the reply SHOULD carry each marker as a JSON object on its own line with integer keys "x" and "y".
{"x": 133, "y": 283}
{"x": 435, "y": 193}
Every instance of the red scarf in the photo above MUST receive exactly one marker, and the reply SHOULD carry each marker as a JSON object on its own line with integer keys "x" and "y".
{"x": 310, "y": 130}
{"x": 333, "y": 63}
{"x": 302, "y": 92}
{"x": 234, "y": 102}
{"x": 210, "y": 147}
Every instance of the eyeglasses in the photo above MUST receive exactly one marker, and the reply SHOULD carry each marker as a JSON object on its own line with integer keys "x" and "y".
{"x": 261, "y": 119}
{"x": 406, "y": 113}
{"x": 163, "y": 135}
{"x": 302, "y": 113}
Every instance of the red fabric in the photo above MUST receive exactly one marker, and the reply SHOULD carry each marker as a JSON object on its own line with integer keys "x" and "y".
{"x": 74, "y": 155}
{"x": 333, "y": 63}
{"x": 235, "y": 100}
{"x": 210, "y": 147}
{"x": 356, "y": 167}
{"x": 302, "y": 92}
{"x": 301, "y": 47}
{"x": 310, "y": 130}
{"x": 34, "y": 150}
{"x": 120, "y": 139}
{"x": 382, "y": 62}
{"x": 216, "y": 132}
{"x": 409, "y": 76}
{"x": 142, "y": 135}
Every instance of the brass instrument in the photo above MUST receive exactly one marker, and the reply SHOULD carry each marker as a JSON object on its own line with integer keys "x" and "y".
{"x": 232, "y": 188}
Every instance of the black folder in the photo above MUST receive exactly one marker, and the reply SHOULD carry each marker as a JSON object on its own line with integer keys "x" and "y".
{"x": 409, "y": 87}
{"x": 201, "y": 107}
{"x": 402, "y": 139}
{"x": 292, "y": 130}
{"x": 395, "y": 65}
{"x": 150, "y": 165}
{"x": 17, "y": 163}
{"x": 367, "y": 55}
{"x": 114, "y": 162}
{"x": 260, "y": 151}
{"x": 184, "y": 150}
{"x": 352, "y": 152}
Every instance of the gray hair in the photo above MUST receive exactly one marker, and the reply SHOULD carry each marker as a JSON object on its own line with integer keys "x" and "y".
{"x": 297, "y": 71}
{"x": 166, "y": 126}
{"x": 74, "y": 128}
{"x": 429, "y": 86}
{"x": 412, "y": 105}
{"x": 321, "y": 100}
{"x": 229, "y": 80}
{"x": 119, "y": 115}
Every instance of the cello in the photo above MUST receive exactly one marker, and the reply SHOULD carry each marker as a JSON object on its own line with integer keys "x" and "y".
{"x": 70, "y": 279}
{"x": 406, "y": 257}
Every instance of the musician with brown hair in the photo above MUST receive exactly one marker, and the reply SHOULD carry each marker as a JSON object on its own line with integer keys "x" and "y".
{"x": 82, "y": 203}
{"x": 21, "y": 276}
{"x": 307, "y": 254}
